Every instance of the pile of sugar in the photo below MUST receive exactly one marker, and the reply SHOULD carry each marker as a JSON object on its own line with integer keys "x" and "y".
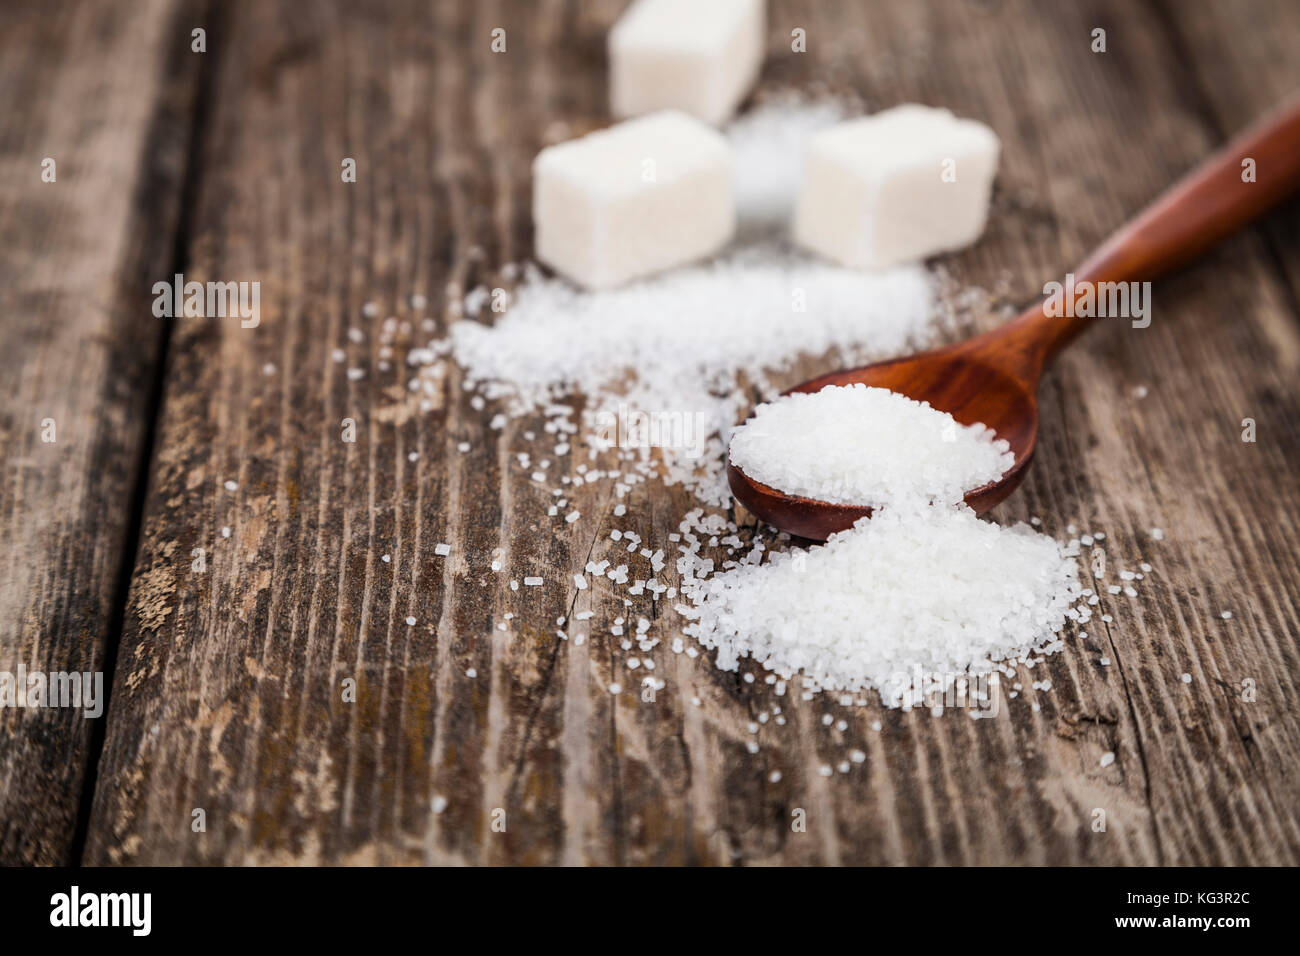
{"x": 856, "y": 445}
{"x": 675, "y": 346}
{"x": 905, "y": 603}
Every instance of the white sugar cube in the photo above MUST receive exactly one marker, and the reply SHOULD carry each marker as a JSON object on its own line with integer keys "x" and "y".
{"x": 896, "y": 187}
{"x": 637, "y": 198}
{"x": 700, "y": 57}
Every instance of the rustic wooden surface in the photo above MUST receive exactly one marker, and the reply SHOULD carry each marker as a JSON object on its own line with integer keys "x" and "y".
{"x": 104, "y": 94}
{"x": 227, "y": 691}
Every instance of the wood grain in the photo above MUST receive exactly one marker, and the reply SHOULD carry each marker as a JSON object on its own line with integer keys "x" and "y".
{"x": 1221, "y": 71}
{"x": 106, "y": 95}
{"x": 229, "y": 684}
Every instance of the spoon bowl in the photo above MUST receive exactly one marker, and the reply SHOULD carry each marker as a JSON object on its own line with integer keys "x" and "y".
{"x": 956, "y": 380}
{"x": 993, "y": 378}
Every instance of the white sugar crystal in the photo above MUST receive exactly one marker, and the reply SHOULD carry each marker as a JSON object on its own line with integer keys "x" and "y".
{"x": 866, "y": 446}
{"x": 580, "y": 583}
{"x": 632, "y": 200}
{"x": 683, "y": 54}
{"x": 1107, "y": 758}
{"x": 896, "y": 186}
{"x": 442, "y": 550}
{"x": 935, "y": 591}
{"x": 533, "y": 582}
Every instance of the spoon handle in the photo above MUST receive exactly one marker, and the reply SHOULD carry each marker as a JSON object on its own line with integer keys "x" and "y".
{"x": 1243, "y": 180}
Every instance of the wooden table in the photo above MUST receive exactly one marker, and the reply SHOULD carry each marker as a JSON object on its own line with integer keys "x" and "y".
{"x": 228, "y": 675}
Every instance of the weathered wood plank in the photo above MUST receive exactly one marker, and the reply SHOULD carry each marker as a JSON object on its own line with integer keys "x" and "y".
{"x": 105, "y": 93}
{"x": 1234, "y": 72}
{"x": 229, "y": 688}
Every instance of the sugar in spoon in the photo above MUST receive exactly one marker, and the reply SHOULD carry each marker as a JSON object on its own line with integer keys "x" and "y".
{"x": 993, "y": 378}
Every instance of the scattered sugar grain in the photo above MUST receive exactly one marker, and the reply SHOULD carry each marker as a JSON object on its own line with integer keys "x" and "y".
{"x": 711, "y": 321}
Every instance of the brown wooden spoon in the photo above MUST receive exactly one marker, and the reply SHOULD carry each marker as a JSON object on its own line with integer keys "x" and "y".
{"x": 993, "y": 378}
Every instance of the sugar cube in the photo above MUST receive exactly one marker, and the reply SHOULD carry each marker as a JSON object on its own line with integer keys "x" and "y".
{"x": 684, "y": 54}
{"x": 640, "y": 197}
{"x": 895, "y": 187}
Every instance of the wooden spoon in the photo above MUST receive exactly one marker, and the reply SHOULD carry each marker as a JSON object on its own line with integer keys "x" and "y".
{"x": 993, "y": 378}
